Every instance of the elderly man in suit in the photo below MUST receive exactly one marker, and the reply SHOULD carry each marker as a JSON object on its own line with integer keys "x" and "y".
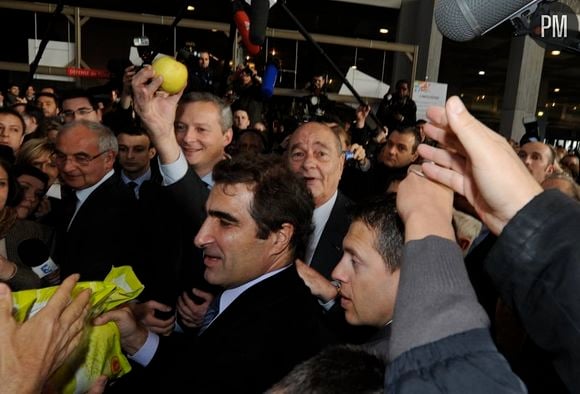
{"x": 265, "y": 321}
{"x": 101, "y": 227}
{"x": 316, "y": 154}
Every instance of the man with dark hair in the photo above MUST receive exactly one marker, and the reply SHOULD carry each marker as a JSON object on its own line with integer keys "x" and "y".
{"x": 264, "y": 321}
{"x": 135, "y": 154}
{"x": 341, "y": 369}
{"x": 393, "y": 160}
{"x": 369, "y": 269}
{"x": 398, "y": 110}
{"x": 539, "y": 159}
{"x": 203, "y": 76}
{"x": 79, "y": 104}
{"x": 190, "y": 133}
{"x": 49, "y": 103}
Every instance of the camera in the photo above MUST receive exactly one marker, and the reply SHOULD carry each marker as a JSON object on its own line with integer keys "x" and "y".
{"x": 145, "y": 54}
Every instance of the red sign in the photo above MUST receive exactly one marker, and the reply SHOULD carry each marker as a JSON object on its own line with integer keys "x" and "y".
{"x": 87, "y": 73}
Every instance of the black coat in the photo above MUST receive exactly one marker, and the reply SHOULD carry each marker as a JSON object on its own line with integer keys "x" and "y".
{"x": 106, "y": 231}
{"x": 251, "y": 345}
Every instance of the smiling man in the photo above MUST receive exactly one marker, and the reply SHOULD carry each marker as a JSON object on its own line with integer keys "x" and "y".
{"x": 265, "y": 321}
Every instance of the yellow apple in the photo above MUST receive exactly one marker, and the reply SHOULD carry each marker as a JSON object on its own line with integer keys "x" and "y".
{"x": 174, "y": 73}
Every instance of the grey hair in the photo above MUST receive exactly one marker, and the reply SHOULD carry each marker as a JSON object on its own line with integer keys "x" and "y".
{"x": 226, "y": 116}
{"x": 106, "y": 137}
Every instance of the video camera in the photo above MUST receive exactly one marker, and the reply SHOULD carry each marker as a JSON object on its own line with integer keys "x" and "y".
{"x": 141, "y": 53}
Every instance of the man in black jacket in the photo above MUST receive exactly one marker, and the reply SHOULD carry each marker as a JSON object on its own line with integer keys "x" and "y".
{"x": 266, "y": 321}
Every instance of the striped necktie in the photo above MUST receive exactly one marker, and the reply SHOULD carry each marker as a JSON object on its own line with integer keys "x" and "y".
{"x": 210, "y": 315}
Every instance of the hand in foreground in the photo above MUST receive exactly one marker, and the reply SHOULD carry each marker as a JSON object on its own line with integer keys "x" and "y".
{"x": 425, "y": 207}
{"x": 32, "y": 351}
{"x": 133, "y": 335}
{"x": 145, "y": 314}
{"x": 478, "y": 163}
{"x": 319, "y": 286}
{"x": 191, "y": 313}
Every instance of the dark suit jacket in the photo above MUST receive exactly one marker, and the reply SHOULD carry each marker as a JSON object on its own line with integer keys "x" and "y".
{"x": 326, "y": 256}
{"x": 163, "y": 240}
{"x": 251, "y": 345}
{"x": 329, "y": 249}
{"x": 189, "y": 195}
{"x": 107, "y": 230}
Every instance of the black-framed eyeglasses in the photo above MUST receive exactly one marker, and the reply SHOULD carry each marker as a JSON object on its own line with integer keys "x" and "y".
{"x": 69, "y": 113}
{"x": 82, "y": 159}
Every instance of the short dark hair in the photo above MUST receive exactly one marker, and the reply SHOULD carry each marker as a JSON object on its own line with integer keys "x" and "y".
{"x": 402, "y": 81}
{"x": 51, "y": 95}
{"x": 12, "y": 111}
{"x": 79, "y": 93}
{"x": 280, "y": 196}
{"x": 135, "y": 131}
{"x": 413, "y": 130}
{"x": 337, "y": 369}
{"x": 380, "y": 214}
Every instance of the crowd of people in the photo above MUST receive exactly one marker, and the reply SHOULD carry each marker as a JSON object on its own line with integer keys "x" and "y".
{"x": 322, "y": 257}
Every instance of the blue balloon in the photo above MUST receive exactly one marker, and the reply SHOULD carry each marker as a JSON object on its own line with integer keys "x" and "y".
{"x": 269, "y": 80}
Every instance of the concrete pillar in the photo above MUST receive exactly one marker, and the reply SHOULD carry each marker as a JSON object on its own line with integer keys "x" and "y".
{"x": 522, "y": 86}
{"x": 417, "y": 26}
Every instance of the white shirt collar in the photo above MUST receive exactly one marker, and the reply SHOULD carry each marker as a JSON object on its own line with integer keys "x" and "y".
{"x": 145, "y": 177}
{"x": 319, "y": 218}
{"x": 83, "y": 194}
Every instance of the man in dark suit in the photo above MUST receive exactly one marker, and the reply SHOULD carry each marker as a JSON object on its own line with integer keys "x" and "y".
{"x": 265, "y": 321}
{"x": 315, "y": 153}
{"x": 190, "y": 134}
{"x": 163, "y": 236}
{"x": 102, "y": 227}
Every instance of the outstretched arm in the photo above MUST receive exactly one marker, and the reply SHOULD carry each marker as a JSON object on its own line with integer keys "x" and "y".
{"x": 30, "y": 352}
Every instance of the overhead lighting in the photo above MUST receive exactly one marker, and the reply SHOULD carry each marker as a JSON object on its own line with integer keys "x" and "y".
{"x": 190, "y": 8}
{"x": 383, "y": 30}
{"x": 354, "y": 67}
{"x": 481, "y": 72}
{"x": 555, "y": 53}
{"x": 556, "y": 90}
{"x": 540, "y": 114}
{"x": 273, "y": 52}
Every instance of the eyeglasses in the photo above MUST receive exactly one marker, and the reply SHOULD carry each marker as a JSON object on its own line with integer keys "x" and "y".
{"x": 81, "y": 111}
{"x": 79, "y": 158}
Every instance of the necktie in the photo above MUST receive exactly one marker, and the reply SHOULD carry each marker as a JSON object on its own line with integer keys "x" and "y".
{"x": 70, "y": 207}
{"x": 133, "y": 186}
{"x": 212, "y": 312}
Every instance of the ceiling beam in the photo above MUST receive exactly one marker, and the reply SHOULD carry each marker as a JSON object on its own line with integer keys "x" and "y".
{"x": 377, "y": 3}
